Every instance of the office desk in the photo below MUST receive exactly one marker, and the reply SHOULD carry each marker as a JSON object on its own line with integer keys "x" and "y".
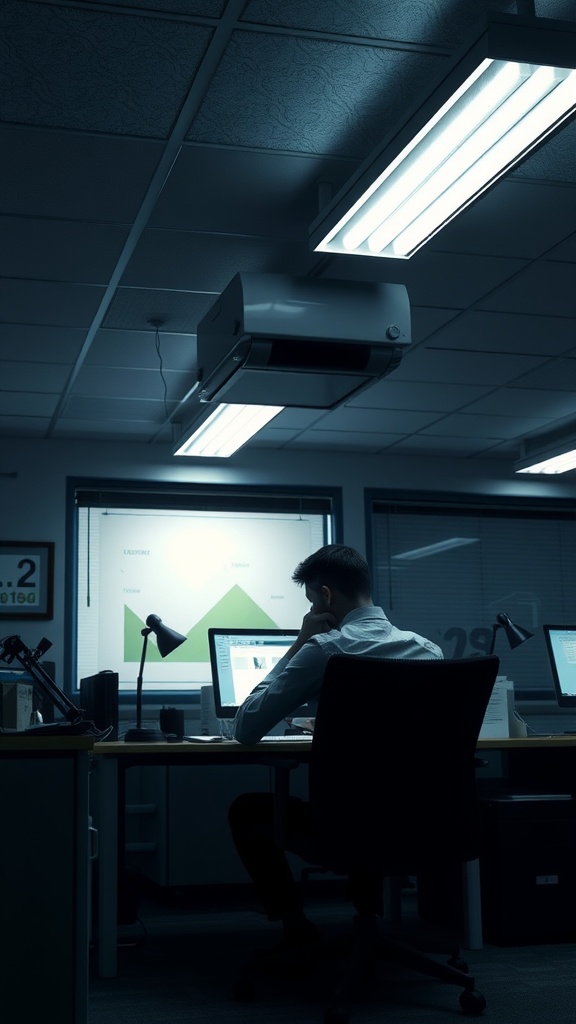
{"x": 111, "y": 758}
{"x": 514, "y": 743}
{"x": 44, "y": 878}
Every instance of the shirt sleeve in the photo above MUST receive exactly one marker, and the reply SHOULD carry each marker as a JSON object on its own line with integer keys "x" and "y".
{"x": 291, "y": 683}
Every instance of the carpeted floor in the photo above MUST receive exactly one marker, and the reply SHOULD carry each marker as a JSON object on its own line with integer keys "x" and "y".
{"x": 181, "y": 959}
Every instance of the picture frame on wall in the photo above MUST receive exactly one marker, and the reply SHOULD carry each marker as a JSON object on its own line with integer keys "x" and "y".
{"x": 26, "y": 579}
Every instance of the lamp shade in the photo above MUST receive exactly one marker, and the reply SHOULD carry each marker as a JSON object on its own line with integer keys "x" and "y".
{"x": 516, "y": 634}
{"x": 167, "y": 639}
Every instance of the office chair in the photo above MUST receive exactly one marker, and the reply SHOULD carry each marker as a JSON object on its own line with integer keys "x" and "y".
{"x": 392, "y": 789}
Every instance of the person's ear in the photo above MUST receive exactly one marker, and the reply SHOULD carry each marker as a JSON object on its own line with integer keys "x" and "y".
{"x": 327, "y": 595}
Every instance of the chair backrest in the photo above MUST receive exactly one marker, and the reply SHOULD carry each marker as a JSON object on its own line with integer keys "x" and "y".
{"x": 392, "y": 774}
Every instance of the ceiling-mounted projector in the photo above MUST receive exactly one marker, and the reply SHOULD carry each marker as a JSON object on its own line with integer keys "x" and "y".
{"x": 272, "y": 339}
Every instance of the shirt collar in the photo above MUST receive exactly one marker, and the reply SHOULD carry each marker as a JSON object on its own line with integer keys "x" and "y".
{"x": 371, "y": 611}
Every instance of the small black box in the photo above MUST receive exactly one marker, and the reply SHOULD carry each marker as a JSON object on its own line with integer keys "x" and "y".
{"x": 99, "y": 701}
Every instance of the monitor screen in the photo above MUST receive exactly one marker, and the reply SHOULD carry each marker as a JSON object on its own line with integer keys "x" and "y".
{"x": 240, "y": 659}
{"x": 561, "y": 645}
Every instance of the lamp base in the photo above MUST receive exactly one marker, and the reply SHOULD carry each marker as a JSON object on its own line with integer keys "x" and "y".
{"x": 140, "y": 735}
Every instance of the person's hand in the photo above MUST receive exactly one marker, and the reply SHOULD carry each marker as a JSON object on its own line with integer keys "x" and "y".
{"x": 315, "y": 622}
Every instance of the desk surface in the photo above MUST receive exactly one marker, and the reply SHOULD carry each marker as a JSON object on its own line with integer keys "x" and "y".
{"x": 27, "y": 744}
{"x": 119, "y": 748}
{"x": 528, "y": 742}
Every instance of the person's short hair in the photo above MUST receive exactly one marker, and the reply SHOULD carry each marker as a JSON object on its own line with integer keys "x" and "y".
{"x": 338, "y": 566}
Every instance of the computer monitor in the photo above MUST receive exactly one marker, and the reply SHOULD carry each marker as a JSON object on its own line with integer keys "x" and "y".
{"x": 561, "y": 645}
{"x": 240, "y": 659}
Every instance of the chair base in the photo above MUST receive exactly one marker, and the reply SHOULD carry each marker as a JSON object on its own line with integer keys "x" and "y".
{"x": 370, "y": 943}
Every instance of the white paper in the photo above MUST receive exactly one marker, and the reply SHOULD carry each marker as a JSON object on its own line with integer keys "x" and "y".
{"x": 496, "y": 722}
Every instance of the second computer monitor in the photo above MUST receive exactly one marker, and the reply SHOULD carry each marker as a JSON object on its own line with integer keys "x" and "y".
{"x": 561, "y": 646}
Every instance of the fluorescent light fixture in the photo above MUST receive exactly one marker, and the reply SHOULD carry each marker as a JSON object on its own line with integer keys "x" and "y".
{"x": 226, "y": 429}
{"x": 434, "y": 549}
{"x": 548, "y": 455}
{"x": 500, "y": 98}
{"x": 555, "y": 464}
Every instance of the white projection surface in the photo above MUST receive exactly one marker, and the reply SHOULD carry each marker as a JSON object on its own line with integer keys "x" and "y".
{"x": 192, "y": 569}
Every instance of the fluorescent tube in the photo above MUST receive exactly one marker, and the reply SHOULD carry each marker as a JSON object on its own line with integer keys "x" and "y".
{"x": 555, "y": 464}
{"x": 226, "y": 429}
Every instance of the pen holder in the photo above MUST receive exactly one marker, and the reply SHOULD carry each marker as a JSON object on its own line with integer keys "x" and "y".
{"x": 172, "y": 722}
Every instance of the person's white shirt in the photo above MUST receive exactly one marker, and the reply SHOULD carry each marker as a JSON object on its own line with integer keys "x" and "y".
{"x": 297, "y": 680}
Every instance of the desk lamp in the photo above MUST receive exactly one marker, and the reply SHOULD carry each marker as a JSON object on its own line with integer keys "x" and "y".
{"x": 516, "y": 634}
{"x": 13, "y": 648}
{"x": 168, "y": 640}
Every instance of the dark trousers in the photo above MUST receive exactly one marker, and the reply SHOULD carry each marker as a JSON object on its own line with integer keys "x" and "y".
{"x": 251, "y": 819}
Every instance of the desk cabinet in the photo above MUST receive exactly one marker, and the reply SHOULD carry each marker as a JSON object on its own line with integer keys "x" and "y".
{"x": 528, "y": 873}
{"x": 44, "y": 882}
{"x": 177, "y": 830}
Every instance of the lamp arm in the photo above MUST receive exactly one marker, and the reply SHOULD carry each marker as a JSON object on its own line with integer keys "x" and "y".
{"x": 495, "y": 628}
{"x": 140, "y": 680}
{"x": 12, "y": 647}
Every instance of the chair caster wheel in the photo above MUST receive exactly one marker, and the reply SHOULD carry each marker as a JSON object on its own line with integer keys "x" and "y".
{"x": 472, "y": 1002}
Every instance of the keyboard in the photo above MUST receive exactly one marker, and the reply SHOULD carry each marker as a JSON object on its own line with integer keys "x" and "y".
{"x": 283, "y": 739}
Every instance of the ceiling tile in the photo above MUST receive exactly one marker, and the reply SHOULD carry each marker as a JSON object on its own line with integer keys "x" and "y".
{"x": 523, "y": 401}
{"x": 110, "y": 73}
{"x": 392, "y": 393}
{"x": 427, "y": 321}
{"x": 172, "y": 259}
{"x": 27, "y": 403}
{"x": 129, "y": 348}
{"x": 24, "y": 426}
{"x": 485, "y": 368}
{"x": 36, "y": 377}
{"x": 108, "y": 429}
{"x": 131, "y": 409}
{"x": 421, "y": 444}
{"x": 74, "y": 176}
{"x": 545, "y": 289}
{"x": 445, "y": 280}
{"x": 179, "y": 311}
{"x": 40, "y": 344}
{"x": 376, "y": 421}
{"x": 497, "y": 222}
{"x": 49, "y": 302}
{"x": 61, "y": 250}
{"x": 556, "y": 374}
{"x": 299, "y": 94}
{"x": 257, "y": 193}
{"x": 555, "y": 160}
{"x": 360, "y": 442}
{"x": 118, "y": 382}
{"x": 432, "y": 22}
{"x": 507, "y": 332}
{"x": 496, "y": 427}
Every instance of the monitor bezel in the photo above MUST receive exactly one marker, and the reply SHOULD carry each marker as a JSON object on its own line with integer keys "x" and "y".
{"x": 563, "y": 700}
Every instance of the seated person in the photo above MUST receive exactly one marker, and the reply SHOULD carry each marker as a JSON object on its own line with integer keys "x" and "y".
{"x": 342, "y": 620}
